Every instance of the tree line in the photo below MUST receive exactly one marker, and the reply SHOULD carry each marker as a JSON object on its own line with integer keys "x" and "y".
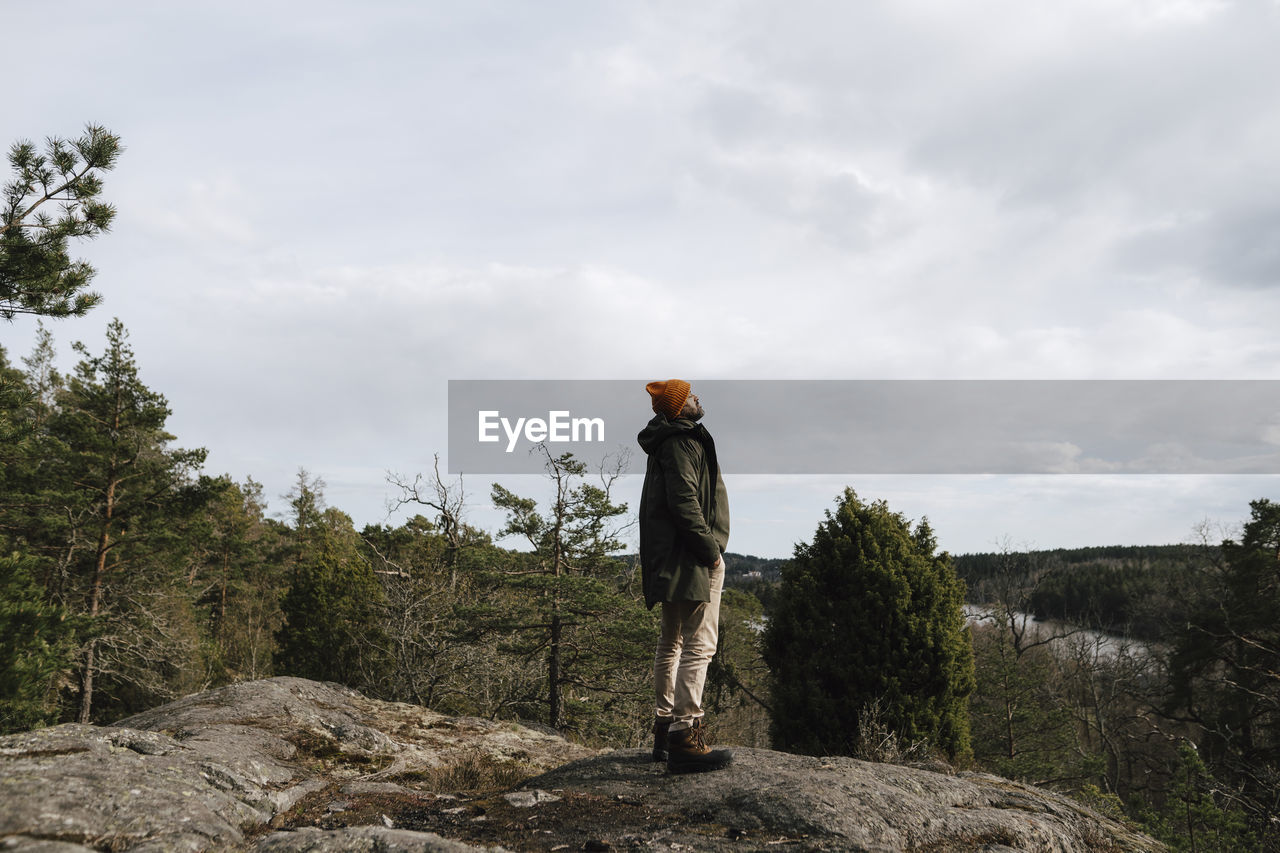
{"x": 131, "y": 577}
{"x": 1123, "y": 590}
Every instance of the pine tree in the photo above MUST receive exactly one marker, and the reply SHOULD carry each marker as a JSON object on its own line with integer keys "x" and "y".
{"x": 1021, "y": 719}
{"x": 573, "y": 606}
{"x": 120, "y": 488}
{"x": 35, "y": 484}
{"x": 16, "y": 433}
{"x": 1198, "y": 815}
{"x": 43, "y": 377}
{"x": 36, "y": 640}
{"x": 37, "y": 275}
{"x": 1225, "y": 664}
{"x": 868, "y": 622}
{"x": 329, "y": 608}
{"x": 36, "y": 643}
{"x": 237, "y": 584}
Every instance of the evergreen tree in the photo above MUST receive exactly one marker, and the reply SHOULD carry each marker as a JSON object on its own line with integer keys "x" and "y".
{"x": 37, "y": 639}
{"x": 37, "y": 275}
{"x": 1022, "y": 723}
{"x": 868, "y": 621}
{"x": 1020, "y": 711}
{"x": 116, "y": 490}
{"x": 91, "y": 497}
{"x": 95, "y": 497}
{"x": 16, "y": 433}
{"x": 1225, "y": 665}
{"x": 574, "y": 607}
{"x": 37, "y": 507}
{"x": 1198, "y": 815}
{"x": 330, "y": 605}
{"x": 237, "y": 579}
{"x": 36, "y": 644}
{"x": 43, "y": 378}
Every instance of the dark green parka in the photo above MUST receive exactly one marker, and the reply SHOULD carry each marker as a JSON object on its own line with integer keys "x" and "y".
{"x": 684, "y": 511}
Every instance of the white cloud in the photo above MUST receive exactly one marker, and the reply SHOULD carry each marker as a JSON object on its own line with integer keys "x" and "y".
{"x": 325, "y": 218}
{"x": 205, "y": 211}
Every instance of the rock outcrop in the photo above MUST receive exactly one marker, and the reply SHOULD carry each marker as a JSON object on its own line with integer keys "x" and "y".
{"x": 210, "y": 771}
{"x": 774, "y": 799}
{"x": 287, "y": 764}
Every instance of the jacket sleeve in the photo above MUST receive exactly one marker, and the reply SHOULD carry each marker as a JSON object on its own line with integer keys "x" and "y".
{"x": 682, "y": 462}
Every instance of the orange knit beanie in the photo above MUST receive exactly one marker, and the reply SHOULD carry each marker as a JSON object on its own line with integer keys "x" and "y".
{"x": 668, "y": 397}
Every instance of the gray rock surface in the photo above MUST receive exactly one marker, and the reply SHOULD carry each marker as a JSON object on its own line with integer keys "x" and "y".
{"x": 287, "y": 764}
{"x": 357, "y": 839}
{"x": 256, "y": 725}
{"x": 839, "y": 804}
{"x": 201, "y": 772}
{"x": 42, "y": 845}
{"x": 121, "y": 789}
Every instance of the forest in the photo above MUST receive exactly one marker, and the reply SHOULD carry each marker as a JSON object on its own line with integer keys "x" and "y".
{"x": 129, "y": 577}
{"x": 1143, "y": 681}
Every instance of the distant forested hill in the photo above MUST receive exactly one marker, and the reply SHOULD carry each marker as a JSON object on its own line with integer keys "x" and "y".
{"x": 1122, "y": 589}
{"x": 741, "y": 567}
{"x": 746, "y": 567}
{"x": 756, "y": 575}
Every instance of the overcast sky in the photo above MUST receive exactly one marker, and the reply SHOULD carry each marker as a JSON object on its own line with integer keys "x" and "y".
{"x": 328, "y": 210}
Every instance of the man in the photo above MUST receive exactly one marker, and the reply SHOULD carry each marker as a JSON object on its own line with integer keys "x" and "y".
{"x": 684, "y": 528}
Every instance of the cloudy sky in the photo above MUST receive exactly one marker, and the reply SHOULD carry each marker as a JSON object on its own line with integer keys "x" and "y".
{"x": 328, "y": 210}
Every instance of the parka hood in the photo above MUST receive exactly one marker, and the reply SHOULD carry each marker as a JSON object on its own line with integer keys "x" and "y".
{"x": 660, "y": 429}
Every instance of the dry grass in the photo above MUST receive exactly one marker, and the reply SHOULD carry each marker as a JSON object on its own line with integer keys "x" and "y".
{"x": 877, "y": 742}
{"x": 473, "y": 771}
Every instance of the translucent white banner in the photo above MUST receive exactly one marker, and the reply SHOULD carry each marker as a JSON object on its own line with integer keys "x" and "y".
{"x": 886, "y": 426}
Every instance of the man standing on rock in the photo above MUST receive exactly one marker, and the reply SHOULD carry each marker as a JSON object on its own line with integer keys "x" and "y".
{"x": 684, "y": 528}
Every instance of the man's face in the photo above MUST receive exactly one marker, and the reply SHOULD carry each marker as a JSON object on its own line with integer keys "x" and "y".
{"x": 692, "y": 408}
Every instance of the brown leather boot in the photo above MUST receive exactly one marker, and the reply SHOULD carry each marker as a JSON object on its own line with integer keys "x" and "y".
{"x": 687, "y": 752}
{"x": 660, "y": 726}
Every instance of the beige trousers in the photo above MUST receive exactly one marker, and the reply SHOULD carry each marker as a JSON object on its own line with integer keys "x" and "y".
{"x": 686, "y": 644}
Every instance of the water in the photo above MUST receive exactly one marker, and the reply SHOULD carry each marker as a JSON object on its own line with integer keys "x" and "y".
{"x": 1064, "y": 638}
